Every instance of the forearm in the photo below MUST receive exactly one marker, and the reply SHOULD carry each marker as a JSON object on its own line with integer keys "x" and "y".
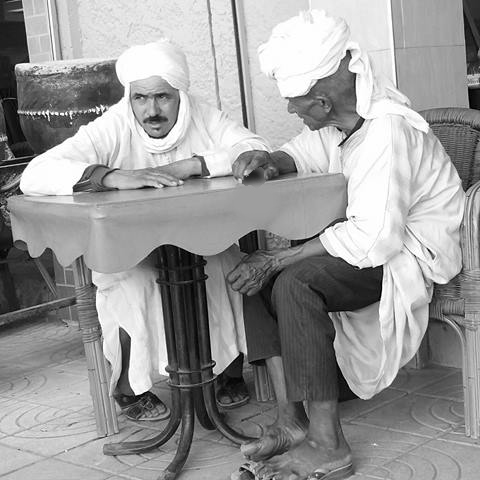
{"x": 293, "y": 255}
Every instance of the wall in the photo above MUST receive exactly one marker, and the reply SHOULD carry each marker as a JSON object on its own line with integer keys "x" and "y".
{"x": 430, "y": 52}
{"x": 271, "y": 116}
{"x": 40, "y": 47}
{"x": 377, "y": 38}
{"x": 204, "y": 30}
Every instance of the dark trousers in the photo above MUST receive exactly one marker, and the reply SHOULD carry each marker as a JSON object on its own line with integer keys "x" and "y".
{"x": 290, "y": 318}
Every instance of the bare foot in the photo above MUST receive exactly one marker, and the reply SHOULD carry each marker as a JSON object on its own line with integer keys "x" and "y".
{"x": 278, "y": 438}
{"x": 309, "y": 456}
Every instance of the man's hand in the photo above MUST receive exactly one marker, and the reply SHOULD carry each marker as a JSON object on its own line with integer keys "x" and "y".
{"x": 253, "y": 272}
{"x": 247, "y": 162}
{"x": 145, "y": 177}
{"x": 170, "y": 175}
{"x": 183, "y": 169}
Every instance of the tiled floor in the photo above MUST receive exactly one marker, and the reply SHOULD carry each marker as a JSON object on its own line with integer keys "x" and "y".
{"x": 412, "y": 430}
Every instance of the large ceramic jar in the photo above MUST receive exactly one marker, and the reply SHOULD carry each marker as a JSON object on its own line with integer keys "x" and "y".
{"x": 56, "y": 98}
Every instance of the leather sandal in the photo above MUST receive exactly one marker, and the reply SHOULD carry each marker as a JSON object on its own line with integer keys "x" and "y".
{"x": 232, "y": 388}
{"x": 253, "y": 471}
{"x": 340, "y": 473}
{"x": 146, "y": 407}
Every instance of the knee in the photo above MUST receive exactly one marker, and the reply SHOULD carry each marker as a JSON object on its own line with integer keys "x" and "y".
{"x": 289, "y": 284}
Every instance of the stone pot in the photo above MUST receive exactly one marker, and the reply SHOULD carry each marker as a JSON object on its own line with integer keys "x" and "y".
{"x": 56, "y": 98}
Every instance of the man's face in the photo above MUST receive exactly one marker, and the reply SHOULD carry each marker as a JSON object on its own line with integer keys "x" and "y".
{"x": 310, "y": 110}
{"x": 155, "y": 105}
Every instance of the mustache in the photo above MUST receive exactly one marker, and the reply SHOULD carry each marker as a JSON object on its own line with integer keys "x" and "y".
{"x": 156, "y": 118}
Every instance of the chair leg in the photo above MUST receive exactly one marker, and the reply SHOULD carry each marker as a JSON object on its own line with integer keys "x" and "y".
{"x": 472, "y": 340}
{"x": 469, "y": 381}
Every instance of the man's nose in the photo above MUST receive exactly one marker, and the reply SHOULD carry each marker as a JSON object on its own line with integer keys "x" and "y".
{"x": 152, "y": 107}
{"x": 291, "y": 106}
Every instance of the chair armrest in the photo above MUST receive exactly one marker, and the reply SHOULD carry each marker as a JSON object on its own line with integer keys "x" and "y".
{"x": 470, "y": 229}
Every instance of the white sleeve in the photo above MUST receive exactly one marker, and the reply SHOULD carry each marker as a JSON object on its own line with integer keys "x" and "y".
{"x": 56, "y": 171}
{"x": 379, "y": 192}
{"x": 230, "y": 140}
{"x": 312, "y": 151}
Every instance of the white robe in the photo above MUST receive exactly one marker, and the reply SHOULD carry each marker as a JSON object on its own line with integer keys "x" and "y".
{"x": 405, "y": 205}
{"x": 131, "y": 299}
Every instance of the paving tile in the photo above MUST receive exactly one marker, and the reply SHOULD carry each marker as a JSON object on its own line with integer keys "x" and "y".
{"x": 354, "y": 408}
{"x": 207, "y": 460}
{"x": 434, "y": 460}
{"x": 49, "y": 386}
{"x": 411, "y": 379}
{"x": 415, "y": 414}
{"x": 450, "y": 387}
{"x": 13, "y": 459}
{"x": 457, "y": 435}
{"x": 91, "y": 453}
{"x": 56, "y": 435}
{"x": 374, "y": 447}
{"x": 51, "y": 469}
{"x": 17, "y": 416}
{"x": 413, "y": 430}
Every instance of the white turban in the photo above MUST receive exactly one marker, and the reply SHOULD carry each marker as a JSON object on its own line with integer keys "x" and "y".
{"x": 310, "y": 46}
{"x": 161, "y": 58}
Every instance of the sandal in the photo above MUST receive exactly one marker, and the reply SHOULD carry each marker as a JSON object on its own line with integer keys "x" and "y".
{"x": 231, "y": 388}
{"x": 253, "y": 471}
{"x": 146, "y": 407}
{"x": 340, "y": 473}
{"x": 258, "y": 471}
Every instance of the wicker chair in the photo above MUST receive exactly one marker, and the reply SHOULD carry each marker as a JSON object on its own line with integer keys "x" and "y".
{"x": 458, "y": 302}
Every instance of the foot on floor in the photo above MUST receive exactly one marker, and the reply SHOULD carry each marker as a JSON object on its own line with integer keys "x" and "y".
{"x": 146, "y": 407}
{"x": 231, "y": 392}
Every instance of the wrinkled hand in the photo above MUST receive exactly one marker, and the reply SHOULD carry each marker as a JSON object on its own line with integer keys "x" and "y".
{"x": 253, "y": 272}
{"x": 247, "y": 162}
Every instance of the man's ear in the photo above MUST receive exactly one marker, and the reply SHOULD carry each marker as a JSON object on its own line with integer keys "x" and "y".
{"x": 323, "y": 102}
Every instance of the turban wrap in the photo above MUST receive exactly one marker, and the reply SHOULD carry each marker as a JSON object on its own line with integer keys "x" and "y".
{"x": 163, "y": 59}
{"x": 310, "y": 46}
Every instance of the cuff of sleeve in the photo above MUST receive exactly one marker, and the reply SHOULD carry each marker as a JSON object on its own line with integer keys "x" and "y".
{"x": 205, "y": 172}
{"x": 217, "y": 164}
{"x": 299, "y": 165}
{"x": 328, "y": 241}
{"x": 97, "y": 176}
{"x": 92, "y": 179}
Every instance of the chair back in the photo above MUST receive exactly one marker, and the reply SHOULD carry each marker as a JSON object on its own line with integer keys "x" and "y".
{"x": 458, "y": 129}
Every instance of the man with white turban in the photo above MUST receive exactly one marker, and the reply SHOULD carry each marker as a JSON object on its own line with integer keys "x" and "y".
{"x": 357, "y": 294}
{"x": 156, "y": 136}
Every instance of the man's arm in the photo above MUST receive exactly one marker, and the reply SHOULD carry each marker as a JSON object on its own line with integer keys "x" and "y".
{"x": 81, "y": 163}
{"x": 228, "y": 140}
{"x": 273, "y": 164}
{"x": 256, "y": 269}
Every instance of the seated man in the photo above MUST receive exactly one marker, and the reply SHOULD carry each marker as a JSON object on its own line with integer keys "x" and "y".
{"x": 357, "y": 295}
{"x": 156, "y": 136}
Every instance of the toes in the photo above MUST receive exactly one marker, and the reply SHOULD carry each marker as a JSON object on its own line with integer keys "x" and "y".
{"x": 250, "y": 448}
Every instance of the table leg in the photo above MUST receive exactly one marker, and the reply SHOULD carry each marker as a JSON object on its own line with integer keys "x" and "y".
{"x": 182, "y": 284}
{"x": 98, "y": 369}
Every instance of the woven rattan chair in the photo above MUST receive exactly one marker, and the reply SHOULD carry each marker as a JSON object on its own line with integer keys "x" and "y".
{"x": 458, "y": 302}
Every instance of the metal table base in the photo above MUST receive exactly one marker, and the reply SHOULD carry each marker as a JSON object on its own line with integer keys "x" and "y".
{"x": 190, "y": 366}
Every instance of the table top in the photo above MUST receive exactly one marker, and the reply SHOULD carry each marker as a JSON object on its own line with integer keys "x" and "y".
{"x": 115, "y": 230}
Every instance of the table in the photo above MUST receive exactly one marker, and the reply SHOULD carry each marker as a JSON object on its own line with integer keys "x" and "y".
{"x": 112, "y": 231}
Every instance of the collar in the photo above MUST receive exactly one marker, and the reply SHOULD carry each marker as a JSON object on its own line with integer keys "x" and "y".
{"x": 357, "y": 126}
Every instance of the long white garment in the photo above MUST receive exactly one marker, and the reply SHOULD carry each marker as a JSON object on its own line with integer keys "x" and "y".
{"x": 131, "y": 299}
{"x": 405, "y": 205}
